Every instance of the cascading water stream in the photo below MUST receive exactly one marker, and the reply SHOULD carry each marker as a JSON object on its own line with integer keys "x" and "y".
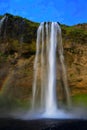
{"x": 49, "y": 54}
{"x": 51, "y": 104}
{"x": 1, "y": 22}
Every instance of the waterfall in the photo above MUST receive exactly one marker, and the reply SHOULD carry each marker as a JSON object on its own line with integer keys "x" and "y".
{"x": 49, "y": 55}
{"x": 1, "y": 22}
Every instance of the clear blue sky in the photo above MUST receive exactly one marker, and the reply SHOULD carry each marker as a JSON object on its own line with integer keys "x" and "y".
{"x": 68, "y": 12}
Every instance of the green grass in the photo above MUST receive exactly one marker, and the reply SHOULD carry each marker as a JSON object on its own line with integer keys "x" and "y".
{"x": 80, "y": 99}
{"x": 9, "y": 104}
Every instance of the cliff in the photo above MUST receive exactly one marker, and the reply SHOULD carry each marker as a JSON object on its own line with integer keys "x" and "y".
{"x": 17, "y": 51}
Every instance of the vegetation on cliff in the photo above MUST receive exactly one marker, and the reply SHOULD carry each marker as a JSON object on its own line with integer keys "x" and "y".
{"x": 75, "y": 34}
{"x": 19, "y": 35}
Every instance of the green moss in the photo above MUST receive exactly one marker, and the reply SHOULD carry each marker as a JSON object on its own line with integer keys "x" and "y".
{"x": 9, "y": 103}
{"x": 80, "y": 99}
{"x": 74, "y": 34}
{"x": 21, "y": 34}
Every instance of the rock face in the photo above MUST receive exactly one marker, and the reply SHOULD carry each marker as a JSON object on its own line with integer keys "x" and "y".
{"x": 75, "y": 50}
{"x": 17, "y": 35}
{"x": 76, "y": 62}
{"x": 17, "y": 52}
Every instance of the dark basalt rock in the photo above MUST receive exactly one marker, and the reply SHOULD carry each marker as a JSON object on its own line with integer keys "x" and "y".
{"x": 42, "y": 124}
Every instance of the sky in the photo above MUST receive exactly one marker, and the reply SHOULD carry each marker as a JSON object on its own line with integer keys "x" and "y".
{"x": 69, "y": 12}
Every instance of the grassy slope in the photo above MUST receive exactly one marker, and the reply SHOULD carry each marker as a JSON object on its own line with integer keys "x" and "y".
{"x": 21, "y": 34}
{"x": 80, "y": 99}
{"x": 76, "y": 34}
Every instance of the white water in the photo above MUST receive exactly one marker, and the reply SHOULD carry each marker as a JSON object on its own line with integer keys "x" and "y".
{"x": 48, "y": 49}
{"x": 1, "y": 22}
{"x": 51, "y": 103}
